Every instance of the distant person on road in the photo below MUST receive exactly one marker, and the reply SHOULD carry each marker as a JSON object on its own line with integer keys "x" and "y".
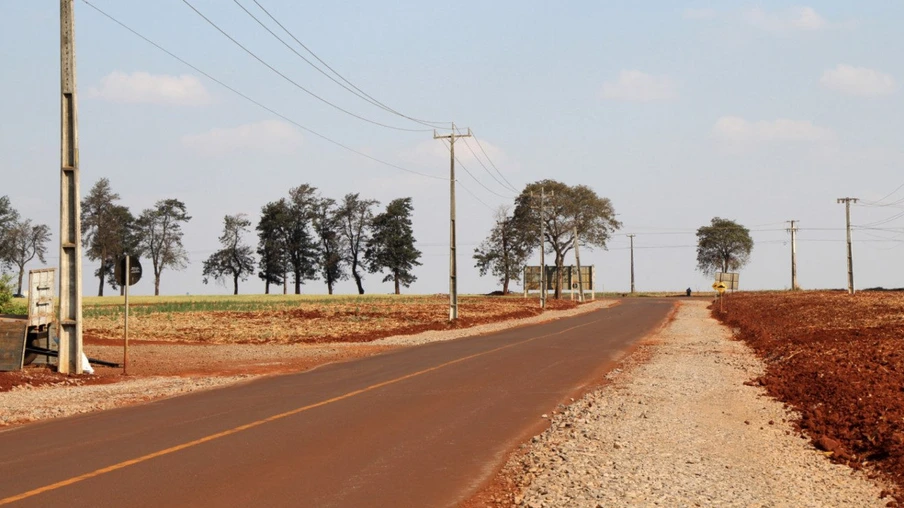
{"x": 688, "y": 291}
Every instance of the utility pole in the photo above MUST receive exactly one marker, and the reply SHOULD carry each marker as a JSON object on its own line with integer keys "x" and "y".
{"x": 793, "y": 230}
{"x": 70, "y": 328}
{"x": 632, "y": 262}
{"x": 542, "y": 248}
{"x": 453, "y": 266}
{"x": 577, "y": 260}
{"x": 505, "y": 257}
{"x": 850, "y": 256}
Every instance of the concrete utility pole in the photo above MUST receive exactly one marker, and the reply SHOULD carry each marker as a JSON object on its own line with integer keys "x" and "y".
{"x": 793, "y": 230}
{"x": 505, "y": 258}
{"x": 453, "y": 265}
{"x": 577, "y": 261}
{"x": 542, "y": 248}
{"x": 632, "y": 262}
{"x": 70, "y": 323}
{"x": 542, "y": 244}
{"x": 850, "y": 256}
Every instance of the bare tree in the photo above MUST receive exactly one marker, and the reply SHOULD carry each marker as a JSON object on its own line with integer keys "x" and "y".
{"x": 25, "y": 242}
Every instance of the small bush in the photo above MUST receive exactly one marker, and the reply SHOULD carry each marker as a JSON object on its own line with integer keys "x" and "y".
{"x": 8, "y": 304}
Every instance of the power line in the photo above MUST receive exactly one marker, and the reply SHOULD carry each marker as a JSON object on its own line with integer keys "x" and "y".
{"x": 485, "y": 168}
{"x": 490, "y": 208}
{"x": 372, "y": 100}
{"x": 255, "y": 102}
{"x": 290, "y": 80}
{"x": 491, "y": 191}
{"x": 882, "y": 221}
{"x": 876, "y": 203}
{"x": 493, "y": 164}
{"x": 458, "y": 161}
{"x": 317, "y": 68}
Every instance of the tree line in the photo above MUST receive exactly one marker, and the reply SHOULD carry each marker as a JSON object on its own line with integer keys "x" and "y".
{"x": 301, "y": 237}
{"x": 306, "y": 236}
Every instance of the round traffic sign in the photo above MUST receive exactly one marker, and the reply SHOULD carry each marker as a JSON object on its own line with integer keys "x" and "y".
{"x": 134, "y": 271}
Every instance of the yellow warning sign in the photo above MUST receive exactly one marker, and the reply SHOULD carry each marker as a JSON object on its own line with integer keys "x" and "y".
{"x": 719, "y": 286}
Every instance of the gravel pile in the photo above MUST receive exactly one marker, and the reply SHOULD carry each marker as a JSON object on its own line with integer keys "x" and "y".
{"x": 223, "y": 365}
{"x": 682, "y": 429}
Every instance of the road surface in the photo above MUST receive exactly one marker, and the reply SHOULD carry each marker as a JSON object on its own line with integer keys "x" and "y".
{"x": 422, "y": 426}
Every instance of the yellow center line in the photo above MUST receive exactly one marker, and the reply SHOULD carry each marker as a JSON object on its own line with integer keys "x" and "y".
{"x": 240, "y": 428}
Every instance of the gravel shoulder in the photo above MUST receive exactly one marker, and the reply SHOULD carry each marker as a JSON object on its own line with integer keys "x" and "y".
{"x": 677, "y": 426}
{"x": 189, "y": 368}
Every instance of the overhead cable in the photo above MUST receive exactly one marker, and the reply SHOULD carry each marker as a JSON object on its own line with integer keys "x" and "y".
{"x": 465, "y": 140}
{"x": 257, "y": 103}
{"x": 476, "y": 139}
{"x": 374, "y": 101}
{"x": 292, "y": 81}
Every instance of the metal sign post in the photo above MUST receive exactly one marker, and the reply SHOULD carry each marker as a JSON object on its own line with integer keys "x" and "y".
{"x": 127, "y": 274}
{"x": 125, "y": 329}
{"x": 720, "y": 287}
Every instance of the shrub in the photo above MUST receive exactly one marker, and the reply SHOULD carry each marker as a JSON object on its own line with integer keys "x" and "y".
{"x": 9, "y": 305}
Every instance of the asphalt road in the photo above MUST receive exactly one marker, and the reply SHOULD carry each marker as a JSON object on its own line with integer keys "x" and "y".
{"x": 423, "y": 426}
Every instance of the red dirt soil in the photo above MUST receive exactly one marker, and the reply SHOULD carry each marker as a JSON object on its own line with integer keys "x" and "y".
{"x": 314, "y": 323}
{"x": 838, "y": 359}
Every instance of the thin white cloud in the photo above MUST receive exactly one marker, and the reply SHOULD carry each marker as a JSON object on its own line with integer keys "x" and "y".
{"x": 858, "y": 81}
{"x": 735, "y": 129}
{"x": 700, "y": 14}
{"x": 637, "y": 86}
{"x": 269, "y": 137}
{"x": 142, "y": 87}
{"x": 793, "y": 19}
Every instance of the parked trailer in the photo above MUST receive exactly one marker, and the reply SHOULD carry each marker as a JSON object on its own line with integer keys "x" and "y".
{"x": 21, "y": 344}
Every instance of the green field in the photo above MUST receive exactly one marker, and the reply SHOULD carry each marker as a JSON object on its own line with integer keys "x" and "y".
{"x": 94, "y": 306}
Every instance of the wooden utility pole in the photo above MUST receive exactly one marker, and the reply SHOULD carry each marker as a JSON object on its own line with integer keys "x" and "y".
{"x": 793, "y": 230}
{"x": 632, "y": 262}
{"x": 850, "y": 256}
{"x": 453, "y": 265}
{"x": 70, "y": 322}
{"x": 577, "y": 261}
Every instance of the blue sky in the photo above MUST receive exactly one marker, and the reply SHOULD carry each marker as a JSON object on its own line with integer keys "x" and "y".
{"x": 756, "y": 111}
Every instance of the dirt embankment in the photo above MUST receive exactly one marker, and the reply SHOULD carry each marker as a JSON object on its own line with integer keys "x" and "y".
{"x": 839, "y": 360}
